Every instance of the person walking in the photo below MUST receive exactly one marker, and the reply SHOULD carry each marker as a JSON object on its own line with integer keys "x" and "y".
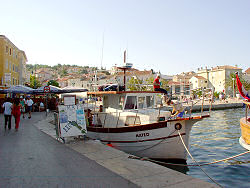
{"x": 16, "y": 111}
{"x": 7, "y": 113}
{"x": 22, "y": 102}
{"x": 29, "y": 103}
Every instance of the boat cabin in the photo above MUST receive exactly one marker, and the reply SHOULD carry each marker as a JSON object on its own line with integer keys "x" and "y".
{"x": 128, "y": 108}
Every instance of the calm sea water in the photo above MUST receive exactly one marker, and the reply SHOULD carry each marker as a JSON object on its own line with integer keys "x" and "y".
{"x": 217, "y": 138}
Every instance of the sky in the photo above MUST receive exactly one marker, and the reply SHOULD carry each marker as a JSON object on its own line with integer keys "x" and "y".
{"x": 170, "y": 36}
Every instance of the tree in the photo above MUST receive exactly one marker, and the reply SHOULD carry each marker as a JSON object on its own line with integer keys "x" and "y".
{"x": 164, "y": 84}
{"x": 150, "y": 81}
{"x": 53, "y": 83}
{"x": 64, "y": 72}
{"x": 84, "y": 71}
{"x": 232, "y": 84}
{"x": 34, "y": 82}
{"x": 135, "y": 84}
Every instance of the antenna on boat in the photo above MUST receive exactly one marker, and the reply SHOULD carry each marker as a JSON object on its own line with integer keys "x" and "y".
{"x": 102, "y": 49}
{"x": 126, "y": 66}
{"x": 124, "y": 57}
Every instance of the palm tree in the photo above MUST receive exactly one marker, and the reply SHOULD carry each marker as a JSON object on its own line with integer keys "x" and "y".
{"x": 231, "y": 83}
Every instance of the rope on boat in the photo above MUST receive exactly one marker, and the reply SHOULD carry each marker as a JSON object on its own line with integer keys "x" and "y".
{"x": 203, "y": 164}
{"x": 195, "y": 160}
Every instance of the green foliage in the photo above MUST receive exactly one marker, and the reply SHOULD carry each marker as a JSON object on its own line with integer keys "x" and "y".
{"x": 216, "y": 94}
{"x": 105, "y": 72}
{"x": 83, "y": 71}
{"x": 53, "y": 83}
{"x": 229, "y": 81}
{"x": 34, "y": 67}
{"x": 64, "y": 72}
{"x": 245, "y": 84}
{"x": 34, "y": 82}
{"x": 233, "y": 84}
{"x": 135, "y": 84}
{"x": 164, "y": 84}
{"x": 150, "y": 81}
{"x": 197, "y": 93}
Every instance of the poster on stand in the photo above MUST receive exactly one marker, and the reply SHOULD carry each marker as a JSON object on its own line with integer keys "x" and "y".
{"x": 72, "y": 120}
{"x": 69, "y": 99}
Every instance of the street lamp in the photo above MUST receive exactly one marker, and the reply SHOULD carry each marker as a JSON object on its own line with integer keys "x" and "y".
{"x": 233, "y": 87}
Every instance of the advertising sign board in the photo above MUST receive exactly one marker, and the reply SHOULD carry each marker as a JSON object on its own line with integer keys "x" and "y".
{"x": 72, "y": 120}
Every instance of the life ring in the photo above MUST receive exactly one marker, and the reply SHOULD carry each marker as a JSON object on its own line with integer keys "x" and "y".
{"x": 178, "y": 126}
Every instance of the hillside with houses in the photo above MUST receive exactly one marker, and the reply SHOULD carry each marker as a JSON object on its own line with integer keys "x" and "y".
{"x": 221, "y": 78}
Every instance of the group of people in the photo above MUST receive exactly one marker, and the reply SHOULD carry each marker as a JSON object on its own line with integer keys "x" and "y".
{"x": 16, "y": 109}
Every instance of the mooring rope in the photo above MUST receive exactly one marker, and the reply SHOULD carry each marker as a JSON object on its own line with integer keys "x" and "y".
{"x": 195, "y": 160}
{"x": 203, "y": 164}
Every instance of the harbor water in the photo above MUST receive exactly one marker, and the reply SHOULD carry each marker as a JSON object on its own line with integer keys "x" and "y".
{"x": 216, "y": 138}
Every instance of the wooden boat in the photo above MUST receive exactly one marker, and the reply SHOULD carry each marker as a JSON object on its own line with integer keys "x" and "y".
{"x": 245, "y": 128}
{"x": 244, "y": 122}
{"x": 128, "y": 121}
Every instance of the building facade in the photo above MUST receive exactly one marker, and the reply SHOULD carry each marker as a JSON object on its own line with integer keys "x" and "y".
{"x": 198, "y": 82}
{"x": 12, "y": 63}
{"x": 218, "y": 77}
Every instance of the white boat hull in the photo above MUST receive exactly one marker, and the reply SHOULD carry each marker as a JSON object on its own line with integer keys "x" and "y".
{"x": 156, "y": 143}
{"x": 244, "y": 144}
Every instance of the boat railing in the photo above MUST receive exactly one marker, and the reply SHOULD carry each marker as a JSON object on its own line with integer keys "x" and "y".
{"x": 102, "y": 119}
{"x": 194, "y": 104}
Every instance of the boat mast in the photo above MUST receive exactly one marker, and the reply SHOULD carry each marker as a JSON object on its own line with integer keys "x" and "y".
{"x": 124, "y": 71}
{"x": 125, "y": 67}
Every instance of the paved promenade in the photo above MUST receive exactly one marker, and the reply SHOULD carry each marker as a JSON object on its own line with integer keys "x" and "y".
{"x": 30, "y": 158}
{"x": 142, "y": 173}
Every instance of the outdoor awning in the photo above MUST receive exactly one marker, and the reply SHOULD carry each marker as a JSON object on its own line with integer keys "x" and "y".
{"x": 18, "y": 89}
{"x": 73, "y": 90}
{"x": 57, "y": 90}
{"x": 53, "y": 89}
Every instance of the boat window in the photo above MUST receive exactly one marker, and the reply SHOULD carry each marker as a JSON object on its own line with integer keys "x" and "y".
{"x": 141, "y": 102}
{"x": 121, "y": 101}
{"x": 150, "y": 101}
{"x": 131, "y": 102}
